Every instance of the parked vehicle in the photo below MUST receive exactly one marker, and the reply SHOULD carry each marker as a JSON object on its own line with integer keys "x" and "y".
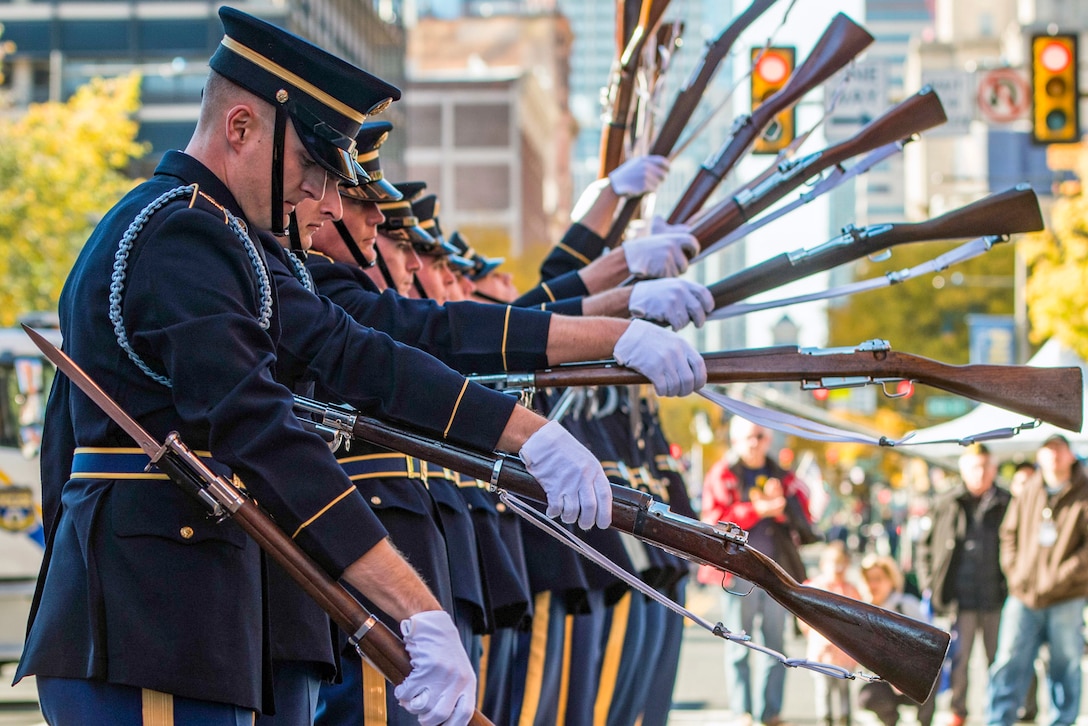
{"x": 25, "y": 379}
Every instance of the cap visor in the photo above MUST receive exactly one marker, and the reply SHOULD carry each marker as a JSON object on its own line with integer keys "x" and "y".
{"x": 373, "y": 191}
{"x": 330, "y": 150}
{"x": 416, "y": 235}
{"x": 488, "y": 267}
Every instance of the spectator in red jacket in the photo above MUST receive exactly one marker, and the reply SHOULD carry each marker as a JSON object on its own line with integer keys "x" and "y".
{"x": 747, "y": 487}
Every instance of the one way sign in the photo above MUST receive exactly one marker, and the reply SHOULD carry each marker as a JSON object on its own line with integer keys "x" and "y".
{"x": 863, "y": 97}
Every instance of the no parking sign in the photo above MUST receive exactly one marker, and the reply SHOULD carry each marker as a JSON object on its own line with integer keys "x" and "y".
{"x": 1004, "y": 95}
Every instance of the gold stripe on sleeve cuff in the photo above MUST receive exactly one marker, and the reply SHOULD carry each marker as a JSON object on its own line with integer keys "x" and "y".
{"x": 456, "y": 405}
{"x": 551, "y": 295}
{"x": 322, "y": 511}
{"x": 573, "y": 253}
{"x": 505, "y": 335}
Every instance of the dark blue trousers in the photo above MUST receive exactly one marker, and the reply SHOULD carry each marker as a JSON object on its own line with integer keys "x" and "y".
{"x": 67, "y": 701}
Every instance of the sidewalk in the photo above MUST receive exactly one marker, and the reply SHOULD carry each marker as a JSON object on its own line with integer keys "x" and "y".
{"x": 699, "y": 699}
{"x": 701, "y": 695}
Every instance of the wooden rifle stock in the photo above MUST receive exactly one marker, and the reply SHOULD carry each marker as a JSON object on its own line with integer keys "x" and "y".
{"x": 916, "y": 114}
{"x": 687, "y": 99}
{"x": 381, "y": 647}
{"x": 627, "y": 14}
{"x": 370, "y": 636}
{"x": 621, "y": 90}
{"x": 907, "y": 653}
{"x": 1010, "y": 212}
{"x": 1054, "y": 395}
{"x": 842, "y": 40}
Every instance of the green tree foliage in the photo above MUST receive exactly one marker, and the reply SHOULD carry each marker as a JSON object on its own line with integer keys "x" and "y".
{"x": 6, "y": 47}
{"x": 925, "y": 316}
{"x": 61, "y": 167}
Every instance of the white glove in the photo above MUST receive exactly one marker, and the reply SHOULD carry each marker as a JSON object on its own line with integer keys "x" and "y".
{"x": 442, "y": 685}
{"x": 572, "y": 478}
{"x": 673, "y": 367}
{"x": 660, "y": 255}
{"x": 641, "y": 175}
{"x": 672, "y": 300}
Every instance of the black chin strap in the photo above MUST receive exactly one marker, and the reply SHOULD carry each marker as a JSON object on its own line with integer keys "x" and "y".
{"x": 277, "y": 171}
{"x": 294, "y": 237}
{"x": 353, "y": 247}
{"x": 419, "y": 288}
{"x": 384, "y": 269}
{"x": 489, "y": 298}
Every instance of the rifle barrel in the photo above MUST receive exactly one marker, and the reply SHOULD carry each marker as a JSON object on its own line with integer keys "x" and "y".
{"x": 916, "y": 114}
{"x": 622, "y": 86}
{"x": 907, "y": 653}
{"x": 842, "y": 40}
{"x": 1054, "y": 395}
{"x": 1010, "y": 212}
{"x": 687, "y": 99}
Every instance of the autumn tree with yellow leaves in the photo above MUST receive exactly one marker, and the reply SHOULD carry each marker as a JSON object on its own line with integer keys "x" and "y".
{"x": 62, "y": 165}
{"x": 1057, "y": 288}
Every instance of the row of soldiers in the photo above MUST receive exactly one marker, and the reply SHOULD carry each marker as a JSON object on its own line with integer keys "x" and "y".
{"x": 602, "y": 654}
{"x": 188, "y": 309}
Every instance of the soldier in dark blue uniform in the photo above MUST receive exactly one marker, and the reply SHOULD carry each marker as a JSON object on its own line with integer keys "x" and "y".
{"x": 583, "y": 242}
{"x": 171, "y": 307}
{"x": 435, "y": 278}
{"x": 476, "y": 327}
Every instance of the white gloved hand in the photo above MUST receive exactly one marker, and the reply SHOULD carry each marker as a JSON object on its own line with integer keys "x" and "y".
{"x": 572, "y": 477}
{"x": 441, "y": 687}
{"x": 672, "y": 365}
{"x": 672, "y": 300}
{"x": 660, "y": 255}
{"x": 640, "y": 175}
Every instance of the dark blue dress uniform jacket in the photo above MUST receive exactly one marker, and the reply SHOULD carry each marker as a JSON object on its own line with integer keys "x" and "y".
{"x": 139, "y": 587}
{"x": 467, "y": 336}
{"x": 579, "y": 246}
{"x": 562, "y": 295}
{"x": 471, "y": 337}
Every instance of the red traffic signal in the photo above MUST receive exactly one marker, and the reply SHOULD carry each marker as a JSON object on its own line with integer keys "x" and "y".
{"x": 1055, "y": 91}
{"x": 771, "y": 68}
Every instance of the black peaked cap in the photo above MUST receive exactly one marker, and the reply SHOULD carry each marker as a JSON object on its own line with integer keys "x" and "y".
{"x": 328, "y": 99}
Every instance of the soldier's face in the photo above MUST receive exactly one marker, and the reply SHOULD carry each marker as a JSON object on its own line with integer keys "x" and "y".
{"x": 304, "y": 178}
{"x": 436, "y": 278}
{"x": 467, "y": 286}
{"x": 312, "y": 215}
{"x": 401, "y": 260}
{"x": 499, "y": 285}
{"x": 247, "y": 166}
{"x": 362, "y": 219}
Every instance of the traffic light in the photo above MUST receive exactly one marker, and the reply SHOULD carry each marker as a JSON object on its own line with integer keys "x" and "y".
{"x": 771, "y": 69}
{"x": 1054, "y": 90}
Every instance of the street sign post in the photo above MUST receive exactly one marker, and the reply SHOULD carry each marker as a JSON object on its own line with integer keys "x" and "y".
{"x": 1004, "y": 95}
{"x": 863, "y": 98}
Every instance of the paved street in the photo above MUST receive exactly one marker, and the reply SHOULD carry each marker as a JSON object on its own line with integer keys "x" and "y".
{"x": 702, "y": 691}
{"x": 701, "y": 695}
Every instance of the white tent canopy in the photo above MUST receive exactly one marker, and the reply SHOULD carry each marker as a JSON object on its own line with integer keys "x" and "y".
{"x": 985, "y": 417}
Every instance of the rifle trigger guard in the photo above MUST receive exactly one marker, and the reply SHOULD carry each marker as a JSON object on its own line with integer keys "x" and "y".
{"x": 892, "y": 394}
{"x": 493, "y": 485}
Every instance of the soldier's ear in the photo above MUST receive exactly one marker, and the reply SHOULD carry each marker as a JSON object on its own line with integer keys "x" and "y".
{"x": 240, "y": 123}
